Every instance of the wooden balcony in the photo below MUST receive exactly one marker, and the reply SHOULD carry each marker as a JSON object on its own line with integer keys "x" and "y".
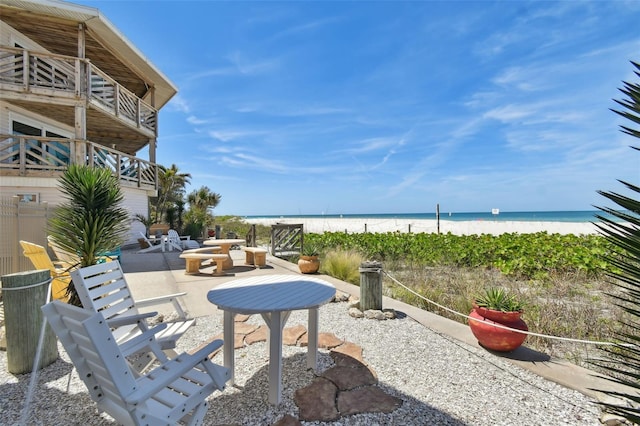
{"x": 49, "y": 157}
{"x": 44, "y": 78}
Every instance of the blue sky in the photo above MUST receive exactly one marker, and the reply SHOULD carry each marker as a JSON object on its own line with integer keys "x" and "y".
{"x": 309, "y": 107}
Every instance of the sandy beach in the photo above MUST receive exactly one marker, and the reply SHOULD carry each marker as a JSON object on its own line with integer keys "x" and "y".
{"x": 492, "y": 227}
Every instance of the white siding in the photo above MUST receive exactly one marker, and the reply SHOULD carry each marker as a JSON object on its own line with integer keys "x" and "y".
{"x": 135, "y": 200}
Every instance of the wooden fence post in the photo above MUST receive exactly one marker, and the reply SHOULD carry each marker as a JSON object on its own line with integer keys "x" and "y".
{"x": 370, "y": 285}
{"x": 23, "y": 321}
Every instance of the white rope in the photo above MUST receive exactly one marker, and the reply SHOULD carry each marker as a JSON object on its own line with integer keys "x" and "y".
{"x": 546, "y": 336}
{"x": 27, "y": 286}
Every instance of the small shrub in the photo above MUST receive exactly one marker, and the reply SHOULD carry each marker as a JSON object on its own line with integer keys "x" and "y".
{"x": 343, "y": 265}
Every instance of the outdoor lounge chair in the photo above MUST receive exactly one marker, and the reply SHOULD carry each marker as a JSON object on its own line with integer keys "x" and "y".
{"x": 147, "y": 246}
{"x": 181, "y": 242}
{"x": 171, "y": 393}
{"x": 103, "y": 288}
{"x": 40, "y": 259}
{"x": 62, "y": 255}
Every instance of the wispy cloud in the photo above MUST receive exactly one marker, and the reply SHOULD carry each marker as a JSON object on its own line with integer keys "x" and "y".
{"x": 179, "y": 104}
{"x": 303, "y": 28}
{"x": 228, "y": 135}
{"x": 246, "y": 66}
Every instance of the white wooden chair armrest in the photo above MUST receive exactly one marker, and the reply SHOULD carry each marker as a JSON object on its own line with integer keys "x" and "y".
{"x": 131, "y": 319}
{"x": 169, "y": 298}
{"x": 160, "y": 377}
{"x": 145, "y": 342}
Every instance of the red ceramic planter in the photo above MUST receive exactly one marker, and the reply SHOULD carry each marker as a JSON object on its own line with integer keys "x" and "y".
{"x": 495, "y": 338}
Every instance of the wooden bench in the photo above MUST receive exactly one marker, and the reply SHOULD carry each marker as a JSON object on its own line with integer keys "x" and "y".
{"x": 255, "y": 256}
{"x": 193, "y": 261}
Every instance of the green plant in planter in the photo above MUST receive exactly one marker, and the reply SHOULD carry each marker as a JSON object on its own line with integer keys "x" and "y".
{"x": 498, "y": 299}
{"x": 309, "y": 250}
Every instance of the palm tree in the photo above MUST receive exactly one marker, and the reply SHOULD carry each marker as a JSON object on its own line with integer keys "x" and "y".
{"x": 203, "y": 199}
{"x": 200, "y": 202}
{"x": 172, "y": 185}
{"x": 623, "y": 360}
{"x": 91, "y": 220}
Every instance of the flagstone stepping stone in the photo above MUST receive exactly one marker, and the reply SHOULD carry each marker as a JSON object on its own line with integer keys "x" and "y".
{"x": 369, "y": 399}
{"x": 347, "y": 388}
{"x": 346, "y": 352}
{"x": 259, "y": 335}
{"x": 241, "y": 317}
{"x": 288, "y": 420}
{"x": 317, "y": 402}
{"x": 346, "y": 378}
{"x": 244, "y": 328}
{"x": 291, "y": 335}
{"x": 325, "y": 341}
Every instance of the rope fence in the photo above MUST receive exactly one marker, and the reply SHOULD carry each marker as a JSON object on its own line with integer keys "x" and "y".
{"x": 545, "y": 336}
{"x": 45, "y": 282}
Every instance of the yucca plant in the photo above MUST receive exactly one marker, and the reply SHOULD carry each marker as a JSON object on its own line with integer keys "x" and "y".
{"x": 91, "y": 220}
{"x": 623, "y": 360}
{"x": 498, "y": 299}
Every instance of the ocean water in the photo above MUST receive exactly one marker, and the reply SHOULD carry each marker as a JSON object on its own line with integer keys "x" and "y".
{"x": 540, "y": 216}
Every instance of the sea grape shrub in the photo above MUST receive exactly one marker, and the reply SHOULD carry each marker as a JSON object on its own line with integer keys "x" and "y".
{"x": 525, "y": 256}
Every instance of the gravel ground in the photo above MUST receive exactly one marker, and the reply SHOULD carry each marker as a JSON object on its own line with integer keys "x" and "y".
{"x": 440, "y": 380}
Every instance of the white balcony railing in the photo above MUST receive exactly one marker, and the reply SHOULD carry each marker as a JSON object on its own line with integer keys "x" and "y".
{"x": 66, "y": 76}
{"x": 40, "y": 156}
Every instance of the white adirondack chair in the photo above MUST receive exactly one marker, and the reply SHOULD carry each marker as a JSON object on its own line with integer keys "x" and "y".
{"x": 181, "y": 242}
{"x": 103, "y": 288}
{"x": 150, "y": 246}
{"x": 174, "y": 392}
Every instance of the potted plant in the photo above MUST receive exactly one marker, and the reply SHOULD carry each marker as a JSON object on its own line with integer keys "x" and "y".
{"x": 497, "y": 306}
{"x": 92, "y": 219}
{"x": 309, "y": 261}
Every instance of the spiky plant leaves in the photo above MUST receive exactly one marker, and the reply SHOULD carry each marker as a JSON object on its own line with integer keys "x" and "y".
{"x": 623, "y": 231}
{"x": 91, "y": 219}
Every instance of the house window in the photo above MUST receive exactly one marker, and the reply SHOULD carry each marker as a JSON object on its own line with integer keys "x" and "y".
{"x": 28, "y": 198}
{"x": 42, "y": 152}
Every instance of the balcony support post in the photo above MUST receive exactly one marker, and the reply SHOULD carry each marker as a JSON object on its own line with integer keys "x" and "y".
{"x": 152, "y": 150}
{"x": 26, "y": 70}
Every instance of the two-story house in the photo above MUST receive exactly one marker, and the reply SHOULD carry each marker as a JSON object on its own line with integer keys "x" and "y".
{"x": 73, "y": 89}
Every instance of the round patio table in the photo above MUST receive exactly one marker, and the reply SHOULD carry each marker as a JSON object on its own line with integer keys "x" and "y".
{"x": 273, "y": 297}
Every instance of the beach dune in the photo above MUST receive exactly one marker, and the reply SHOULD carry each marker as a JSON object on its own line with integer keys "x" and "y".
{"x": 491, "y": 227}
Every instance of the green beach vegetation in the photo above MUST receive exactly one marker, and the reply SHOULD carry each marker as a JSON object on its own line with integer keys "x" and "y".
{"x": 560, "y": 278}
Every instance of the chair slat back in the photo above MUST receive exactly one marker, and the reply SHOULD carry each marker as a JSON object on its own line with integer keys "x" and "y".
{"x": 61, "y": 254}
{"x": 103, "y": 288}
{"x": 89, "y": 343}
{"x": 38, "y": 256}
{"x": 40, "y": 259}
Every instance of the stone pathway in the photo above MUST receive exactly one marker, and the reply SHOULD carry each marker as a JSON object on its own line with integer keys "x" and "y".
{"x": 347, "y": 388}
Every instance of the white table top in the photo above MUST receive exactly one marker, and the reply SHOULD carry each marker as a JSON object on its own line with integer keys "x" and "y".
{"x": 271, "y": 293}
